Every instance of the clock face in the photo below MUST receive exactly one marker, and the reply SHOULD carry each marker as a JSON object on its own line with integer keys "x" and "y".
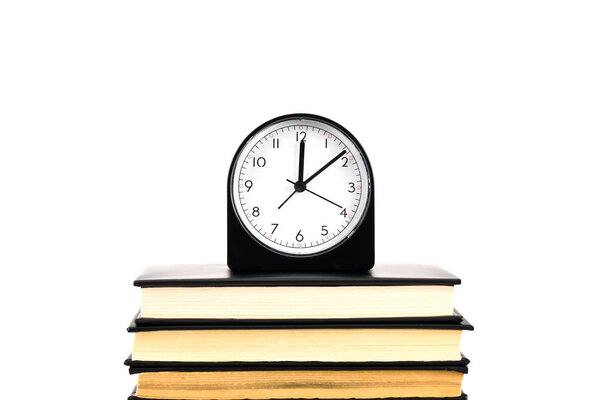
{"x": 300, "y": 186}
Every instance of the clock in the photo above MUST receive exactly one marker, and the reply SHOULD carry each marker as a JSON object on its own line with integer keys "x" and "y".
{"x": 300, "y": 198}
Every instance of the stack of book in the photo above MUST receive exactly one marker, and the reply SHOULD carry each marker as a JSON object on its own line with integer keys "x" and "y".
{"x": 204, "y": 332}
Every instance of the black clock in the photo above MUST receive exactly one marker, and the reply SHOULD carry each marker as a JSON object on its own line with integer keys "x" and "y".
{"x": 300, "y": 197}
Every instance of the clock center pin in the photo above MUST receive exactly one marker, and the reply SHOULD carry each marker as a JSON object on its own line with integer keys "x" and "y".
{"x": 300, "y": 186}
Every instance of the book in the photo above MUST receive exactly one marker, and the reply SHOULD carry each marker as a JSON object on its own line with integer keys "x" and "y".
{"x": 362, "y": 382}
{"x": 327, "y": 342}
{"x": 176, "y": 294}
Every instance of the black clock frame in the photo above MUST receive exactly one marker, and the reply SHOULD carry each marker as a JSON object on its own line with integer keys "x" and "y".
{"x": 356, "y": 253}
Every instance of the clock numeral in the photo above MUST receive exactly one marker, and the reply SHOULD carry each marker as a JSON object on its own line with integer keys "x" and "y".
{"x": 324, "y": 231}
{"x": 345, "y": 164}
{"x": 248, "y": 185}
{"x": 299, "y": 236}
{"x": 352, "y": 188}
{"x": 325, "y": 142}
{"x": 275, "y": 227}
{"x": 344, "y": 213}
{"x": 275, "y": 143}
{"x": 255, "y": 212}
{"x": 298, "y": 134}
{"x": 259, "y": 162}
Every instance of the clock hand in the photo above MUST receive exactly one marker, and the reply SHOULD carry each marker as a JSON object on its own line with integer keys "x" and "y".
{"x": 318, "y": 195}
{"x": 300, "y": 187}
{"x": 285, "y": 201}
{"x": 301, "y": 162}
{"x": 324, "y": 167}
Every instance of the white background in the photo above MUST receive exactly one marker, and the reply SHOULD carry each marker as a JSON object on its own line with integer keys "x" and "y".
{"x": 118, "y": 121}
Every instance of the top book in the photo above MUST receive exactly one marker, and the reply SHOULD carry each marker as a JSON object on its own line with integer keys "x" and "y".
{"x": 213, "y": 293}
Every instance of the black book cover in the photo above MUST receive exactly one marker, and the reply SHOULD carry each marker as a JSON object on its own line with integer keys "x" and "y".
{"x": 137, "y": 367}
{"x": 292, "y": 324}
{"x": 140, "y": 321}
{"x": 212, "y": 275}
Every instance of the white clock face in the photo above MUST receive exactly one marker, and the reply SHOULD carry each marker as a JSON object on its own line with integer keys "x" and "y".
{"x": 300, "y": 186}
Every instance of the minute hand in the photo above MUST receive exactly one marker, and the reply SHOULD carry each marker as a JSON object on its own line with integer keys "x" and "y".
{"x": 324, "y": 167}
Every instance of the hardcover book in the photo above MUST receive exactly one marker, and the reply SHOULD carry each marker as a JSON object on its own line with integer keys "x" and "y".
{"x": 361, "y": 382}
{"x": 180, "y": 294}
{"x": 327, "y": 342}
